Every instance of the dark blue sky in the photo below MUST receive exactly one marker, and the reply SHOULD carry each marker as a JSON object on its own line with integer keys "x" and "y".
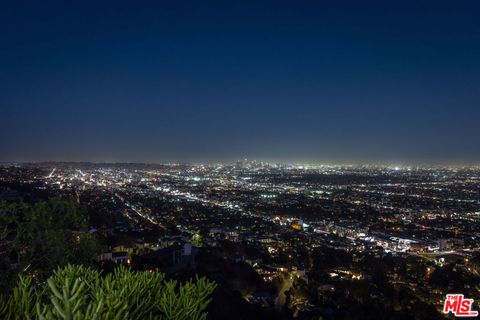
{"x": 310, "y": 81}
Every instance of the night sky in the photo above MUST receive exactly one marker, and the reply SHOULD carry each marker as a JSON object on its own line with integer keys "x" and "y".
{"x": 202, "y": 81}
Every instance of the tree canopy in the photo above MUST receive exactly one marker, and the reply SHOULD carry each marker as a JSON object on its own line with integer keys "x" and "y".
{"x": 37, "y": 238}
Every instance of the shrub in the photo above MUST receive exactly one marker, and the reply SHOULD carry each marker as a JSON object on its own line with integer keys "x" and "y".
{"x": 78, "y": 293}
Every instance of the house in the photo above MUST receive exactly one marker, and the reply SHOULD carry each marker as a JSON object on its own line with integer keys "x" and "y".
{"x": 117, "y": 257}
{"x": 172, "y": 258}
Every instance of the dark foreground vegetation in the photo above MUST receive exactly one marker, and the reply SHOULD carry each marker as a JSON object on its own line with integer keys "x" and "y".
{"x": 37, "y": 238}
{"x": 51, "y": 235}
{"x": 77, "y": 292}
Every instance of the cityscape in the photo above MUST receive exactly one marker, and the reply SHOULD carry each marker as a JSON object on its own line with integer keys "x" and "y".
{"x": 240, "y": 160}
{"x": 282, "y": 241}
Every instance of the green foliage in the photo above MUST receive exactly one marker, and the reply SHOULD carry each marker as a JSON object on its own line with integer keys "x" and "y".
{"x": 78, "y": 292}
{"x": 197, "y": 240}
{"x": 41, "y": 237}
{"x": 21, "y": 304}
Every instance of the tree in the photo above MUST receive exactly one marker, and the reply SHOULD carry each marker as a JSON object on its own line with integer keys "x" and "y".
{"x": 78, "y": 292}
{"x": 38, "y": 238}
{"x": 197, "y": 240}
